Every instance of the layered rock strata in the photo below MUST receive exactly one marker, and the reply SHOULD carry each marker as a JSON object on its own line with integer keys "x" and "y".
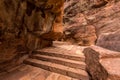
{"x": 26, "y": 25}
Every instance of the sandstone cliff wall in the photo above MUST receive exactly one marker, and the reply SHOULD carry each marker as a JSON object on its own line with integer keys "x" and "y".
{"x": 102, "y": 15}
{"x": 26, "y": 25}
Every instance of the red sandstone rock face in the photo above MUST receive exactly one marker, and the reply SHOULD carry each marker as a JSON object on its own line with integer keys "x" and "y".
{"x": 110, "y": 40}
{"x": 106, "y": 21}
{"x": 82, "y": 35}
{"x": 26, "y": 24}
{"x": 105, "y": 18}
{"x": 108, "y": 26}
{"x": 103, "y": 15}
{"x": 77, "y": 29}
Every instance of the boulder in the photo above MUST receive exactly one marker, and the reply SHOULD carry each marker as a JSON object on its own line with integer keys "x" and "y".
{"x": 110, "y": 40}
{"x": 102, "y": 64}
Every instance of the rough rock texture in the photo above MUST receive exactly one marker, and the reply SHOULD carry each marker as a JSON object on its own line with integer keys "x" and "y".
{"x": 103, "y": 15}
{"x": 82, "y": 35}
{"x": 106, "y": 20}
{"x": 102, "y": 64}
{"x": 26, "y": 25}
{"x": 77, "y": 29}
{"x": 110, "y": 40}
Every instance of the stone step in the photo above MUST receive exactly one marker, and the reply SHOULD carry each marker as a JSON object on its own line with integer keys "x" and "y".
{"x": 57, "y": 68}
{"x": 61, "y": 55}
{"x": 62, "y": 61}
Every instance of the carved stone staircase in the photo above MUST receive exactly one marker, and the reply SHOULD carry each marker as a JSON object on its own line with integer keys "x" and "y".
{"x": 60, "y": 60}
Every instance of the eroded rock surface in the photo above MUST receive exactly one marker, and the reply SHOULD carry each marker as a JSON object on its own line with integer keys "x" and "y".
{"x": 102, "y": 64}
{"x": 102, "y": 15}
{"x": 110, "y": 40}
{"x": 106, "y": 21}
{"x": 77, "y": 29}
{"x": 26, "y": 25}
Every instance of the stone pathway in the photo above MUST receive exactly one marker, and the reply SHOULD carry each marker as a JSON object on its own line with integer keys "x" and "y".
{"x": 62, "y": 58}
{"x": 63, "y": 61}
{"x": 27, "y": 72}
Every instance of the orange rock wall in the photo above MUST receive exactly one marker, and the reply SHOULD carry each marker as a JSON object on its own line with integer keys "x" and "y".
{"x": 26, "y": 25}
